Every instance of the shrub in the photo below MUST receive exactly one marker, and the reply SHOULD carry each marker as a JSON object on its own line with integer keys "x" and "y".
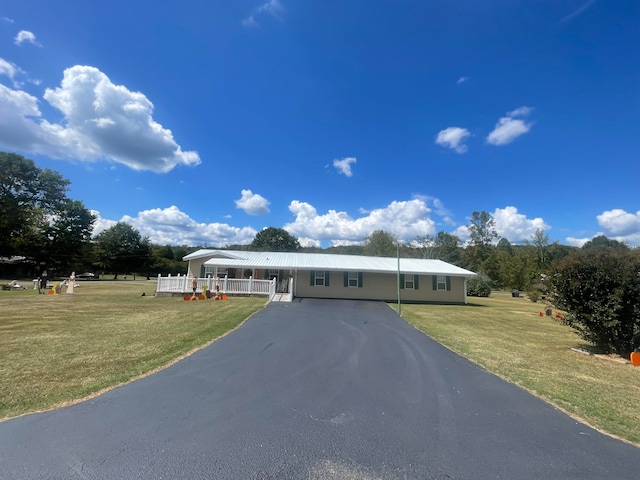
{"x": 599, "y": 290}
{"x": 477, "y": 287}
{"x": 534, "y": 295}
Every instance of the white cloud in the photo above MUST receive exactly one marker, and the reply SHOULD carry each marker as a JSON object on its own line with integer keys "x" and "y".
{"x": 619, "y": 222}
{"x": 26, "y": 36}
{"x": 576, "y": 242}
{"x": 509, "y": 128}
{"x": 9, "y": 69}
{"x": 309, "y": 242}
{"x": 252, "y": 203}
{"x": 462, "y": 80}
{"x": 6, "y": 19}
{"x": 453, "y": 138}
{"x": 173, "y": 227}
{"x": 344, "y": 165}
{"x": 509, "y": 224}
{"x": 405, "y": 219}
{"x": 515, "y": 226}
{"x": 101, "y": 121}
{"x": 272, "y": 7}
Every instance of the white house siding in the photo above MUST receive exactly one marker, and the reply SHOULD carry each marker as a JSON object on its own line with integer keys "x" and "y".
{"x": 380, "y": 286}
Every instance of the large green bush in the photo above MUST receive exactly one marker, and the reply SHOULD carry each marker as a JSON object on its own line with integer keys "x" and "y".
{"x": 599, "y": 289}
{"x": 478, "y": 287}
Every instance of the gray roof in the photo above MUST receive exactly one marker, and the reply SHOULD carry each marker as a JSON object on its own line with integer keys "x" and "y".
{"x": 325, "y": 261}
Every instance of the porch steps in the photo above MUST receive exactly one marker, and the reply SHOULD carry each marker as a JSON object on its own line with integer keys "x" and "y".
{"x": 282, "y": 297}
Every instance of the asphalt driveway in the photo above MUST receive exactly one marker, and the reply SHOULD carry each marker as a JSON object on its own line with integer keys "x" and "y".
{"x": 316, "y": 389}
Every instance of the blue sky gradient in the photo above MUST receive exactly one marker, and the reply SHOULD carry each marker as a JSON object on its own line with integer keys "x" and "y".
{"x": 204, "y": 122}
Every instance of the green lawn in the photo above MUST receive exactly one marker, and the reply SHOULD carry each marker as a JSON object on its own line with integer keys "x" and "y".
{"x": 57, "y": 349}
{"x": 508, "y": 337}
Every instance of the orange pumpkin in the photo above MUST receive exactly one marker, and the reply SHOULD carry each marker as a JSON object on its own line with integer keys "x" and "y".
{"x": 186, "y": 297}
{"x": 635, "y": 359}
{"x": 224, "y": 297}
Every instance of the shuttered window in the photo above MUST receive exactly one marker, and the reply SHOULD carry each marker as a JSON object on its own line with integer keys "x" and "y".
{"x": 441, "y": 282}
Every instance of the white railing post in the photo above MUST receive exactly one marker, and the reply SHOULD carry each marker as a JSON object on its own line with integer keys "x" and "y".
{"x": 224, "y": 284}
{"x": 250, "y": 285}
{"x": 158, "y": 284}
{"x": 209, "y": 284}
{"x": 290, "y": 291}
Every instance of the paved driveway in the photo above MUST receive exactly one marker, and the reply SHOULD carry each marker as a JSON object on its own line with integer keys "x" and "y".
{"x": 314, "y": 390}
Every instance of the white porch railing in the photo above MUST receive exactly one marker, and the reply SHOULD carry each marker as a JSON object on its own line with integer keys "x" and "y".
{"x": 235, "y": 286}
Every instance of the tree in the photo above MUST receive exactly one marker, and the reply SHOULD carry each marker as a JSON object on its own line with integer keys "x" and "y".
{"x": 28, "y": 195}
{"x": 599, "y": 289}
{"x": 603, "y": 242}
{"x": 540, "y": 242}
{"x": 273, "y": 239}
{"x": 381, "y": 244}
{"x": 67, "y": 234}
{"x": 121, "y": 249}
{"x": 481, "y": 232}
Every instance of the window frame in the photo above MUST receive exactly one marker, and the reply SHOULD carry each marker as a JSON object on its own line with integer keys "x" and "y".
{"x": 441, "y": 283}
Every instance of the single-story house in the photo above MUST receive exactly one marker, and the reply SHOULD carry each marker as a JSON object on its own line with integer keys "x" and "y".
{"x": 322, "y": 275}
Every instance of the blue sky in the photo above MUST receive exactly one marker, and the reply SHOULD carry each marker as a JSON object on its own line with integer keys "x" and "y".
{"x": 204, "y": 122}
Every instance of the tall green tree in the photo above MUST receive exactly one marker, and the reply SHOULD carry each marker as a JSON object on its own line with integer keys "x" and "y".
{"x": 28, "y": 195}
{"x": 274, "y": 239}
{"x": 67, "y": 234}
{"x": 381, "y": 244}
{"x": 482, "y": 233}
{"x": 540, "y": 242}
{"x": 121, "y": 249}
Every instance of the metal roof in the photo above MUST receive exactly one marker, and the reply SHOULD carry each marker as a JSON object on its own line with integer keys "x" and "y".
{"x": 326, "y": 261}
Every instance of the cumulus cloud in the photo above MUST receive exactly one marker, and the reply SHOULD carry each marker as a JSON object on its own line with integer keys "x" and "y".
{"x": 101, "y": 121}
{"x": 344, "y": 165}
{"x": 510, "y": 127}
{"x": 453, "y": 138}
{"x": 462, "y": 80}
{"x": 619, "y": 222}
{"x": 405, "y": 219}
{"x": 273, "y": 8}
{"x": 253, "y": 203}
{"x": 174, "y": 227}
{"x": 26, "y": 36}
{"x": 509, "y": 224}
{"x": 515, "y": 226}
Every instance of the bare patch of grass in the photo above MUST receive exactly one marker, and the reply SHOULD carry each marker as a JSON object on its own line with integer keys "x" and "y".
{"x": 507, "y": 336}
{"x": 56, "y": 349}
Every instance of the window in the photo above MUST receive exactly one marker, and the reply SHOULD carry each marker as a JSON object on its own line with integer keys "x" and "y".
{"x": 409, "y": 282}
{"x": 353, "y": 279}
{"x": 319, "y": 278}
{"x": 441, "y": 282}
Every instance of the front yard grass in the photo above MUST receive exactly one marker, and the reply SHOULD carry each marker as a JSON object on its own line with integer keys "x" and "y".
{"x": 507, "y": 336}
{"x": 56, "y": 348}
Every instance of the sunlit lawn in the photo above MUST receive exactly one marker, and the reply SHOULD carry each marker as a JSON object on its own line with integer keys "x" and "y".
{"x": 508, "y": 337}
{"x": 56, "y": 349}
